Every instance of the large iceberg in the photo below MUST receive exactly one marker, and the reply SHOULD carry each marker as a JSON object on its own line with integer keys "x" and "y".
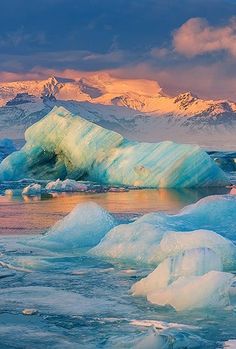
{"x": 62, "y": 145}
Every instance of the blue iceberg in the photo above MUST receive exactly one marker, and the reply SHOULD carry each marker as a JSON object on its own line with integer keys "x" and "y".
{"x": 63, "y": 145}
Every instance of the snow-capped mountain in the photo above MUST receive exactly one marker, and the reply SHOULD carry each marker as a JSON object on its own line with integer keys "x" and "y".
{"x": 137, "y": 108}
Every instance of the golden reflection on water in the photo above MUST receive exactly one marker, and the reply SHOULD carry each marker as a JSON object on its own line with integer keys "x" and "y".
{"x": 36, "y": 214}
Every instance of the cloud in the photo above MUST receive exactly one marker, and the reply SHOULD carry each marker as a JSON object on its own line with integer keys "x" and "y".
{"x": 197, "y": 37}
{"x": 217, "y": 80}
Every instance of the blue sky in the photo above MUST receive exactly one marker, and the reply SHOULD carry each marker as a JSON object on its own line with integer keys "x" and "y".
{"x": 184, "y": 44}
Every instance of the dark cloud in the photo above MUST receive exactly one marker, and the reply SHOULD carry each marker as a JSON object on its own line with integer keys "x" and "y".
{"x": 106, "y": 34}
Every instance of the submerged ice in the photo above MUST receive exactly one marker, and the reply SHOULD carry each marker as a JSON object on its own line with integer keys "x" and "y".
{"x": 63, "y": 145}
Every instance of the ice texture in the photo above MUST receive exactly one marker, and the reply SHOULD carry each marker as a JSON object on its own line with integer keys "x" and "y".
{"x": 192, "y": 262}
{"x": 131, "y": 242}
{"x": 145, "y": 243}
{"x": 216, "y": 212}
{"x": 68, "y": 185}
{"x": 84, "y": 226}
{"x": 174, "y": 243}
{"x": 62, "y": 145}
{"x": 186, "y": 293}
{"x": 6, "y": 147}
{"x": 32, "y": 189}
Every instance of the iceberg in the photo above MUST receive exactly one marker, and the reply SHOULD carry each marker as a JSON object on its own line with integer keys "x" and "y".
{"x": 63, "y": 145}
{"x": 186, "y": 293}
{"x": 84, "y": 226}
{"x": 188, "y": 263}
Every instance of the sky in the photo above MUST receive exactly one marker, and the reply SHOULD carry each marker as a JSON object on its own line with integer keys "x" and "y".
{"x": 186, "y": 45}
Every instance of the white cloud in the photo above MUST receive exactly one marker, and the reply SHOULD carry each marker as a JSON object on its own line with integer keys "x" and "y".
{"x": 196, "y": 37}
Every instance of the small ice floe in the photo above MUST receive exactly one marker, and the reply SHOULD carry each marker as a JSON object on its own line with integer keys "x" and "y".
{"x": 28, "y": 311}
{"x": 161, "y": 325}
{"x": 68, "y": 185}
{"x": 32, "y": 189}
{"x": 230, "y": 344}
{"x": 233, "y": 190}
{"x": 128, "y": 271}
{"x": 12, "y": 267}
{"x": 92, "y": 270}
{"x": 9, "y": 192}
{"x": 118, "y": 190}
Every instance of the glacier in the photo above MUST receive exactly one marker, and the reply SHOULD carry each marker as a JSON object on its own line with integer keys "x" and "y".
{"x": 63, "y": 145}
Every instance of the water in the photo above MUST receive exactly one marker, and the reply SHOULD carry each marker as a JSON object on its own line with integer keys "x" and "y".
{"x": 82, "y": 301}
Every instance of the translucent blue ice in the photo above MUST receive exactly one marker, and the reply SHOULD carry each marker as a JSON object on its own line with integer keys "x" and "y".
{"x": 63, "y": 145}
{"x": 84, "y": 226}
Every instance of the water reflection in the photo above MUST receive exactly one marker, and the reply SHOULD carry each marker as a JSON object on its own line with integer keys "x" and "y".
{"x": 35, "y": 214}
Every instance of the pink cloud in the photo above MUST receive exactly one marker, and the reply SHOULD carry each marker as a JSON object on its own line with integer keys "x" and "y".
{"x": 196, "y": 37}
{"x": 206, "y": 81}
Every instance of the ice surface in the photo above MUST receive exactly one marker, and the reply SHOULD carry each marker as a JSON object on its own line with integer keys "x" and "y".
{"x": 143, "y": 242}
{"x": 64, "y": 146}
{"x": 208, "y": 290}
{"x": 130, "y": 242}
{"x": 174, "y": 243}
{"x": 188, "y": 263}
{"x": 217, "y": 213}
{"x": 84, "y": 226}
{"x": 233, "y": 191}
{"x": 230, "y": 344}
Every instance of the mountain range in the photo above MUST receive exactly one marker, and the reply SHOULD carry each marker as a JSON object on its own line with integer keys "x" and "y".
{"x": 137, "y": 108}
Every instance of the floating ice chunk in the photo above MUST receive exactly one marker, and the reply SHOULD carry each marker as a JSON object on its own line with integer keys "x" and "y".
{"x": 162, "y": 325}
{"x": 84, "y": 226}
{"x": 174, "y": 243}
{"x": 230, "y": 344}
{"x": 189, "y": 263}
{"x": 32, "y": 189}
{"x": 68, "y": 185}
{"x": 208, "y": 290}
{"x": 233, "y": 191}
{"x": 217, "y": 213}
{"x": 64, "y": 145}
{"x": 144, "y": 242}
{"x": 130, "y": 242}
